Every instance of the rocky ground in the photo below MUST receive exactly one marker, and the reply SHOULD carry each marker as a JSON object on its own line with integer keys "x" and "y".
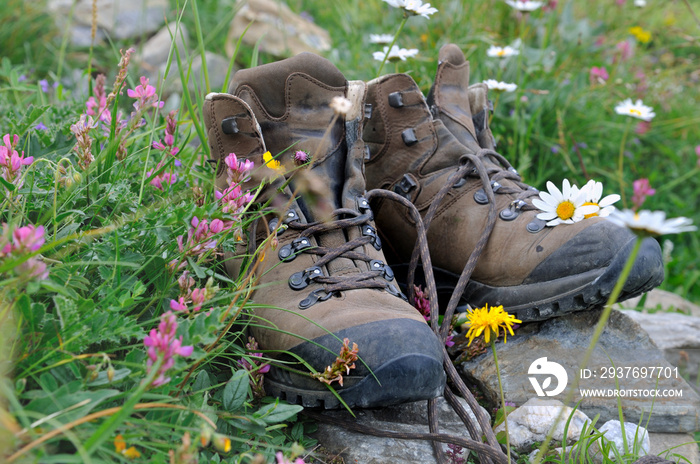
{"x": 650, "y": 337}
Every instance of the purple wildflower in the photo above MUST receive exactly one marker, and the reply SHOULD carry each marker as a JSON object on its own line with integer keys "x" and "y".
{"x": 11, "y": 161}
{"x": 421, "y": 303}
{"x": 642, "y": 190}
{"x": 145, "y": 96}
{"x": 301, "y": 157}
{"x": 23, "y": 241}
{"x": 163, "y": 345}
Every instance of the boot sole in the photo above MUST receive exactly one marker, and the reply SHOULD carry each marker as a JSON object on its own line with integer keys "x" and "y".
{"x": 404, "y": 380}
{"x": 400, "y": 360}
{"x": 557, "y": 297}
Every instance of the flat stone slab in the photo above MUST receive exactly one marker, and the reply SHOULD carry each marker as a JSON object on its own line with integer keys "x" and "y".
{"x": 623, "y": 348}
{"x": 675, "y": 447}
{"x": 663, "y": 300}
{"x": 355, "y": 447}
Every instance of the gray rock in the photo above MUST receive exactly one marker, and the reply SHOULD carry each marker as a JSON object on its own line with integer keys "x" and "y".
{"x": 613, "y": 435}
{"x": 276, "y": 29}
{"x": 658, "y": 299}
{"x": 120, "y": 19}
{"x": 154, "y": 53}
{"x": 153, "y": 63}
{"x": 677, "y": 335}
{"x": 409, "y": 417}
{"x": 532, "y": 421}
{"x": 675, "y": 447}
{"x": 564, "y": 340}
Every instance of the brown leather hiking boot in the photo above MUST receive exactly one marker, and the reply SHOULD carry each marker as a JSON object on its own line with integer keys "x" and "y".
{"x": 534, "y": 271}
{"x": 327, "y": 279}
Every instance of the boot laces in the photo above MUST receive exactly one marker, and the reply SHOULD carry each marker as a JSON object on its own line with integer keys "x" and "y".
{"x": 497, "y": 168}
{"x": 379, "y": 275}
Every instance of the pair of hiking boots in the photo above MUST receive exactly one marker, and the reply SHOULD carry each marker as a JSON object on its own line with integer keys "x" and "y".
{"x": 328, "y": 279}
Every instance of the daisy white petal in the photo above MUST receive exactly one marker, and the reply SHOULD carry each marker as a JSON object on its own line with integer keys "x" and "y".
{"x": 395, "y": 54}
{"x": 564, "y": 206}
{"x": 609, "y": 200}
{"x": 500, "y": 86}
{"x": 637, "y": 110}
{"x": 501, "y": 52}
{"x": 524, "y": 5}
{"x": 546, "y": 216}
{"x": 650, "y": 223}
{"x": 593, "y": 191}
{"x": 383, "y": 39}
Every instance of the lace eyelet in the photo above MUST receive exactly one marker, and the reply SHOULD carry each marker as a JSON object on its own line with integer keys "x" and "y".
{"x": 480, "y": 197}
{"x": 377, "y": 265}
{"x": 289, "y": 251}
{"x": 314, "y": 297}
{"x": 302, "y": 279}
{"x": 370, "y": 231}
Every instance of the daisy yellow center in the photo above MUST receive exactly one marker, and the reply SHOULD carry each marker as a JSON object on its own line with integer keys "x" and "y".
{"x": 501, "y": 52}
{"x": 635, "y": 111}
{"x": 590, "y": 203}
{"x": 565, "y": 210}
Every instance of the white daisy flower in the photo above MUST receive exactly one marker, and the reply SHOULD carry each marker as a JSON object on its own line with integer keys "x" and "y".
{"x": 413, "y": 7}
{"x": 523, "y": 5}
{"x": 564, "y": 206}
{"x": 593, "y": 192}
{"x": 500, "y": 86}
{"x": 640, "y": 3}
{"x": 382, "y": 39}
{"x": 650, "y": 223}
{"x": 501, "y": 52}
{"x": 637, "y": 110}
{"x": 395, "y": 54}
{"x": 341, "y": 105}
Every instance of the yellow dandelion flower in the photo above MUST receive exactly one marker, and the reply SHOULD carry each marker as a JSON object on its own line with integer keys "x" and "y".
{"x": 222, "y": 443}
{"x": 640, "y": 34}
{"x": 486, "y": 320}
{"x": 120, "y": 447}
{"x": 131, "y": 453}
{"x": 119, "y": 443}
{"x": 271, "y": 162}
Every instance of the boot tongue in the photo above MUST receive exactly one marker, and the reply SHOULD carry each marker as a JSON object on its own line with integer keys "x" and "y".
{"x": 291, "y": 100}
{"x": 449, "y": 95}
{"x": 269, "y": 82}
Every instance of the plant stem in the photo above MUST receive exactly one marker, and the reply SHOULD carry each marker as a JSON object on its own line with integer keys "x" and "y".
{"x": 594, "y": 340}
{"x": 503, "y": 400}
{"x": 393, "y": 42}
{"x": 620, "y": 164}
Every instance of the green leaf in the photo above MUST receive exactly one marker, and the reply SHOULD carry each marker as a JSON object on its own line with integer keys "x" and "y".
{"x": 33, "y": 115}
{"x": 499, "y": 415}
{"x": 63, "y": 401}
{"x": 253, "y": 426}
{"x": 501, "y": 437}
{"x": 202, "y": 382}
{"x": 198, "y": 270}
{"x": 61, "y": 216}
{"x": 7, "y": 185}
{"x": 278, "y": 412}
{"x": 102, "y": 378}
{"x": 52, "y": 286}
{"x": 236, "y": 391}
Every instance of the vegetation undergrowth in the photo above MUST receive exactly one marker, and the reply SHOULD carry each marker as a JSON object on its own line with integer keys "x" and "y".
{"x": 121, "y": 334}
